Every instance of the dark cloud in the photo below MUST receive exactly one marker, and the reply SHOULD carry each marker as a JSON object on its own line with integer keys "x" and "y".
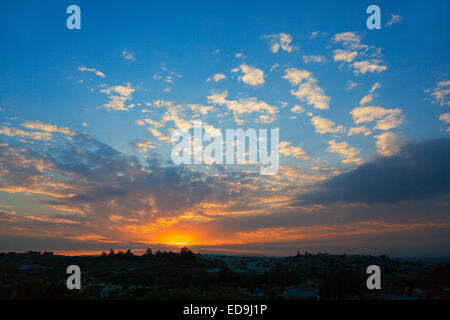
{"x": 420, "y": 171}
{"x": 86, "y": 175}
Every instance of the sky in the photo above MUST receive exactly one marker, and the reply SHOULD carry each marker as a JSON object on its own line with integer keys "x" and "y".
{"x": 86, "y": 118}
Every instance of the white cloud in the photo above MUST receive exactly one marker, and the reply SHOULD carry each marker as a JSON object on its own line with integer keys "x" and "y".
{"x": 265, "y": 118}
{"x": 375, "y": 86}
{"x": 372, "y": 65}
{"x": 251, "y": 75}
{"x": 354, "y": 50}
{"x": 348, "y": 153}
{"x": 314, "y": 59}
{"x": 308, "y": 90}
{"x": 350, "y": 40}
{"x": 445, "y": 117}
{"x": 217, "y": 77}
{"x": 314, "y": 34}
{"x": 200, "y": 109}
{"x": 344, "y": 55}
{"x": 296, "y": 173}
{"x": 97, "y": 72}
{"x": 395, "y": 18}
{"x": 441, "y": 93}
{"x": 279, "y": 41}
{"x": 387, "y": 118}
{"x": 154, "y": 124}
{"x": 287, "y": 149}
{"x": 166, "y": 74}
{"x": 295, "y": 76}
{"x": 143, "y": 145}
{"x": 369, "y": 97}
{"x": 359, "y": 130}
{"x": 350, "y": 85}
{"x": 128, "y": 55}
{"x": 121, "y": 90}
{"x": 13, "y": 132}
{"x": 366, "y": 99}
{"x": 298, "y": 109}
{"x": 118, "y": 96}
{"x": 389, "y": 143}
{"x": 323, "y": 125}
{"x": 243, "y": 105}
{"x": 42, "y": 126}
{"x": 158, "y": 134}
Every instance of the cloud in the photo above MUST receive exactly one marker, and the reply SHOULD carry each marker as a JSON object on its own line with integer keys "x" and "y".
{"x": 350, "y": 40}
{"x": 372, "y": 65}
{"x": 419, "y": 171}
{"x": 13, "y": 132}
{"x": 121, "y": 90}
{"x": 97, "y": 72}
{"x": 369, "y": 97}
{"x": 279, "y": 41}
{"x": 395, "y": 18}
{"x": 344, "y": 55}
{"x": 350, "y": 85}
{"x": 369, "y": 57}
{"x": 295, "y": 76}
{"x": 128, "y": 55}
{"x": 389, "y": 143}
{"x": 297, "y": 109}
{"x": 200, "y": 109}
{"x": 445, "y": 117}
{"x": 243, "y": 105}
{"x": 287, "y": 149}
{"x": 90, "y": 177}
{"x": 166, "y": 75}
{"x": 387, "y": 118}
{"x": 251, "y": 75}
{"x": 217, "y": 77}
{"x": 314, "y": 59}
{"x": 348, "y": 153}
{"x": 143, "y": 145}
{"x": 150, "y": 122}
{"x": 37, "y": 125}
{"x": 308, "y": 90}
{"x": 314, "y": 34}
{"x": 296, "y": 173}
{"x": 441, "y": 93}
{"x": 323, "y": 125}
{"x": 118, "y": 96}
{"x": 359, "y": 130}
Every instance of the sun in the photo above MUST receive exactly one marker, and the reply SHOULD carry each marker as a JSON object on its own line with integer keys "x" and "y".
{"x": 176, "y": 239}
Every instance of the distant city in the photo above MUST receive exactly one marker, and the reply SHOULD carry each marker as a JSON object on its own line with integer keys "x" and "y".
{"x": 188, "y": 275}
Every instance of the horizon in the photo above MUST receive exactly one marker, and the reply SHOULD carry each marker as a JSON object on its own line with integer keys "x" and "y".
{"x": 141, "y": 252}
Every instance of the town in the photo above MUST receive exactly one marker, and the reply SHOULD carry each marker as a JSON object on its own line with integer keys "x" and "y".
{"x": 187, "y": 275}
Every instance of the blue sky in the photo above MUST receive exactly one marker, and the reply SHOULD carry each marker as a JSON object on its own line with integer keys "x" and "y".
{"x": 342, "y": 95}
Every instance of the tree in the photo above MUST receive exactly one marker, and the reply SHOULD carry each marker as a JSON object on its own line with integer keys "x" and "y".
{"x": 148, "y": 253}
{"x": 186, "y": 251}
